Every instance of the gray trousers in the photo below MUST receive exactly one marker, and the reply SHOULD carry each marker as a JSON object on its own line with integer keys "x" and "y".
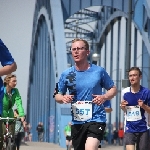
{"x": 40, "y": 136}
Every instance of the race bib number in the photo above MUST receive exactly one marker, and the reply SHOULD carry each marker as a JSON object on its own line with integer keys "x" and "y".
{"x": 133, "y": 113}
{"x": 82, "y": 110}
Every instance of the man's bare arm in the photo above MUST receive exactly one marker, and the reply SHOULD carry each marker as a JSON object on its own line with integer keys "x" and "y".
{"x": 8, "y": 69}
{"x": 59, "y": 98}
{"x": 63, "y": 98}
{"x": 123, "y": 105}
{"x": 146, "y": 108}
{"x": 111, "y": 93}
{"x": 123, "y": 108}
{"x": 108, "y": 110}
{"x": 100, "y": 99}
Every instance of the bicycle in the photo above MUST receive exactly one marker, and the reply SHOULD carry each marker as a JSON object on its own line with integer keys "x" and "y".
{"x": 8, "y": 138}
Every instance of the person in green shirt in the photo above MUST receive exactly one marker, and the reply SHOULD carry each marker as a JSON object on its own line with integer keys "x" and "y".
{"x": 11, "y": 97}
{"x": 67, "y": 132}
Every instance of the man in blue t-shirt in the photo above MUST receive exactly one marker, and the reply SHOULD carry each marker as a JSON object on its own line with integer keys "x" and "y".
{"x": 84, "y": 82}
{"x": 8, "y": 66}
{"x": 136, "y": 105}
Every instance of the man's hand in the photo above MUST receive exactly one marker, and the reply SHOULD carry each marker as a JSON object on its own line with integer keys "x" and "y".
{"x": 98, "y": 99}
{"x": 67, "y": 98}
{"x": 123, "y": 105}
{"x": 22, "y": 119}
{"x": 140, "y": 103}
{"x": 24, "y": 124}
{"x": 144, "y": 106}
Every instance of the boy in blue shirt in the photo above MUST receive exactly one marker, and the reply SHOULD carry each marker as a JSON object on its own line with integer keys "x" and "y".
{"x": 136, "y": 105}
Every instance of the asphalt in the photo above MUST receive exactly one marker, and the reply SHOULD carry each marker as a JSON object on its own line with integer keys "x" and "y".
{"x": 51, "y": 146}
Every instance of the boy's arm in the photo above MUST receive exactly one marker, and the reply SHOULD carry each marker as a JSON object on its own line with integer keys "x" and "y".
{"x": 108, "y": 110}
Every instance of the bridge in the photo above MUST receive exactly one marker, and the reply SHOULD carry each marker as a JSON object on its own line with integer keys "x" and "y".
{"x": 117, "y": 31}
{"x": 51, "y": 146}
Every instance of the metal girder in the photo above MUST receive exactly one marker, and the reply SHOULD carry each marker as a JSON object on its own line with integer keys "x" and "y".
{"x": 72, "y": 6}
{"x": 86, "y": 12}
{"x": 76, "y": 29}
{"x": 74, "y": 25}
{"x": 81, "y": 35}
{"x": 83, "y": 17}
{"x": 80, "y": 21}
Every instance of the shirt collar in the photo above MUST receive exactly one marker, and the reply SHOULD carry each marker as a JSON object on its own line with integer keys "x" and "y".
{"x": 12, "y": 91}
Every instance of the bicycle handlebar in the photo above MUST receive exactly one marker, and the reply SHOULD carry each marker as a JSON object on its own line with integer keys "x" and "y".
{"x": 7, "y": 118}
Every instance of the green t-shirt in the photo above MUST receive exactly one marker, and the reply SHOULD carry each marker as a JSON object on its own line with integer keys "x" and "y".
{"x": 68, "y": 130}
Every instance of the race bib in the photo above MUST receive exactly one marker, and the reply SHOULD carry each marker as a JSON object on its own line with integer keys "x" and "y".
{"x": 82, "y": 110}
{"x": 133, "y": 113}
{"x": 68, "y": 133}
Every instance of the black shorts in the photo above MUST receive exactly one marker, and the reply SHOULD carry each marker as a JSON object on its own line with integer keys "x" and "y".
{"x": 68, "y": 138}
{"x": 141, "y": 139}
{"x": 80, "y": 132}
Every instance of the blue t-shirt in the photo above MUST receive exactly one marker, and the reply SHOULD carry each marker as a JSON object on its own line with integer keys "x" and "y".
{"x": 82, "y": 84}
{"x": 5, "y": 59}
{"x": 107, "y": 104}
{"x": 132, "y": 99}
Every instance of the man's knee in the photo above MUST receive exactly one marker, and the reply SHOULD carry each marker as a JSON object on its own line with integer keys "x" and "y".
{"x": 70, "y": 142}
{"x": 130, "y": 147}
{"x": 92, "y": 143}
{"x": 67, "y": 142}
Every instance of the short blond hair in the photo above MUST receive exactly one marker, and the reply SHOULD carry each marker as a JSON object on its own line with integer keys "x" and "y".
{"x": 7, "y": 78}
{"x": 84, "y": 41}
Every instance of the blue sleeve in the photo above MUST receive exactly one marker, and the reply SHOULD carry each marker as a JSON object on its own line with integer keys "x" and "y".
{"x": 107, "y": 104}
{"x": 1, "y": 101}
{"x": 62, "y": 87}
{"x": 106, "y": 81}
{"x": 5, "y": 56}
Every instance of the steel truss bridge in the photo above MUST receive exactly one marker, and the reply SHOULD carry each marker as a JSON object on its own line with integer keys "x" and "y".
{"x": 119, "y": 31}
